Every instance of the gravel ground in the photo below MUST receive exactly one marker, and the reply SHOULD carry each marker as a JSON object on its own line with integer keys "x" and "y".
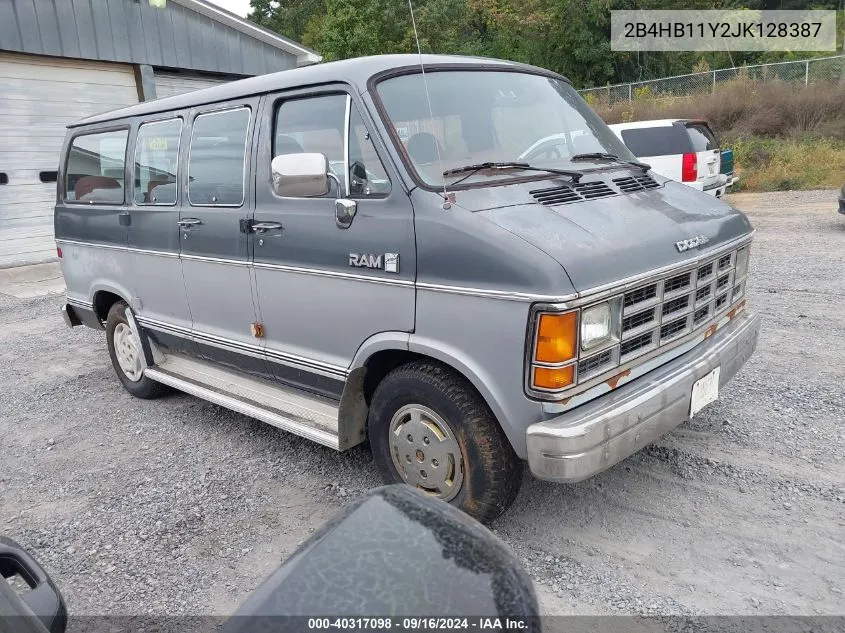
{"x": 176, "y": 506}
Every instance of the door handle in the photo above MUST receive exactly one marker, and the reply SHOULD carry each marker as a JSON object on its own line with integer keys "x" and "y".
{"x": 260, "y": 227}
{"x": 189, "y": 222}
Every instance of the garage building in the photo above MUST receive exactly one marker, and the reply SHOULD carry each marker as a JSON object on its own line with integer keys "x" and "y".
{"x": 62, "y": 60}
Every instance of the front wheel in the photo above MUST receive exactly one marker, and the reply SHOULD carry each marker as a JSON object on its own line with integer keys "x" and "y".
{"x": 126, "y": 355}
{"x": 429, "y": 428}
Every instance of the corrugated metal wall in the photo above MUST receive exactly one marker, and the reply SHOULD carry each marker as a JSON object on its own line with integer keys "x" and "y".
{"x": 170, "y": 84}
{"x": 134, "y": 32}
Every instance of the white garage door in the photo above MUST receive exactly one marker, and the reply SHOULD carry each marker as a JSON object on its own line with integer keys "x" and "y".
{"x": 39, "y": 97}
{"x": 170, "y": 84}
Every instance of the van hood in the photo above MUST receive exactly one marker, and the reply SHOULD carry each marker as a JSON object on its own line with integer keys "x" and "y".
{"x": 603, "y": 240}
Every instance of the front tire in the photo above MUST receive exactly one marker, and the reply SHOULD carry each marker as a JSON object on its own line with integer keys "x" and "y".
{"x": 126, "y": 357}
{"x": 429, "y": 428}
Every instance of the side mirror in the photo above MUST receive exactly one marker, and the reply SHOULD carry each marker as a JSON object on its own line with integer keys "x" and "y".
{"x": 395, "y": 553}
{"x": 39, "y": 610}
{"x": 303, "y": 175}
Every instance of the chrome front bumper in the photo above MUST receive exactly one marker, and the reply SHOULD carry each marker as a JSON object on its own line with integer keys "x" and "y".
{"x": 603, "y": 432}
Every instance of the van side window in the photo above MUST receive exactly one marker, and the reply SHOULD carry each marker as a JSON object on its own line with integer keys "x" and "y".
{"x": 156, "y": 159}
{"x": 367, "y": 176}
{"x": 313, "y": 125}
{"x": 217, "y": 159}
{"x": 95, "y": 168}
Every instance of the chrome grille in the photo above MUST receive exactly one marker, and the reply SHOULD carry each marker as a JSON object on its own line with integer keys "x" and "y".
{"x": 675, "y": 305}
{"x": 676, "y": 283}
{"x": 673, "y": 329}
{"x": 595, "y": 364}
{"x": 663, "y": 310}
{"x": 639, "y": 319}
{"x": 643, "y": 342}
{"x": 641, "y": 295}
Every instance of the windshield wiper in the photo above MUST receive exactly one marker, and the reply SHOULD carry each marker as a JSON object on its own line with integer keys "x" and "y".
{"x": 473, "y": 169}
{"x": 606, "y": 156}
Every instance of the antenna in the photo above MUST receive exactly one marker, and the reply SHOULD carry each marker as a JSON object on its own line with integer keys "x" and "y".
{"x": 428, "y": 99}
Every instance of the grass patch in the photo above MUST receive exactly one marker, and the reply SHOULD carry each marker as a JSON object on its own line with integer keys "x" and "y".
{"x": 784, "y": 135}
{"x": 781, "y": 164}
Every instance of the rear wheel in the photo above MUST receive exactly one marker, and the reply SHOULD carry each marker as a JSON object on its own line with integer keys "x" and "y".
{"x": 429, "y": 428}
{"x": 126, "y": 356}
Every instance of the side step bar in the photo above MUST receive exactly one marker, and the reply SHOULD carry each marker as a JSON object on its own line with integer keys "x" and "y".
{"x": 312, "y": 417}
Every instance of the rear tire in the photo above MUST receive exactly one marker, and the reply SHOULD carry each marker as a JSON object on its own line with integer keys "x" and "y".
{"x": 126, "y": 357}
{"x": 430, "y": 428}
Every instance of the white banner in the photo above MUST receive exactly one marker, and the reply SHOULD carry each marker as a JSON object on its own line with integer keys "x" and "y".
{"x": 723, "y": 30}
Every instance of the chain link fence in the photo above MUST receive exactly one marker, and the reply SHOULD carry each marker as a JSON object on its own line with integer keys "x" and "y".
{"x": 805, "y": 73}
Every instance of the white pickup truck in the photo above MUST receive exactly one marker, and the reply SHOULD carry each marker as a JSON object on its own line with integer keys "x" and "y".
{"x": 685, "y": 150}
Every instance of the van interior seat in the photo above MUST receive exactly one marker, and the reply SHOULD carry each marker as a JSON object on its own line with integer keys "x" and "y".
{"x": 87, "y": 184}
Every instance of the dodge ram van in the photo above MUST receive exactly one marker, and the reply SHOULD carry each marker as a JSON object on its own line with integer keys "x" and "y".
{"x": 453, "y": 259}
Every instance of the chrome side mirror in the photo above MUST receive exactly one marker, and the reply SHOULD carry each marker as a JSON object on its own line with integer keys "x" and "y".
{"x": 302, "y": 175}
{"x": 344, "y": 212}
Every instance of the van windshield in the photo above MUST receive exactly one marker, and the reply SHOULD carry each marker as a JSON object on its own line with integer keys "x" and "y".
{"x": 492, "y": 116}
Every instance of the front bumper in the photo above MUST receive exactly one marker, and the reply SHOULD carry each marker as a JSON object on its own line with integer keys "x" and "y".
{"x": 603, "y": 432}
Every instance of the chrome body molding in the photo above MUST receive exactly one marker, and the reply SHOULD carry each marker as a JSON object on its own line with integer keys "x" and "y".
{"x": 112, "y": 247}
{"x": 336, "y": 274}
{"x": 214, "y": 260}
{"x": 622, "y": 285}
{"x": 80, "y": 303}
{"x": 567, "y": 301}
{"x": 505, "y": 295}
{"x": 583, "y": 442}
{"x": 257, "y": 351}
{"x": 161, "y": 326}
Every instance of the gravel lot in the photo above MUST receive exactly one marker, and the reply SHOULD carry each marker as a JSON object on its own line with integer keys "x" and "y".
{"x": 177, "y": 506}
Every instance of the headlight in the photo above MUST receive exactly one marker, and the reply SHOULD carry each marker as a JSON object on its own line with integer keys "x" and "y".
{"x": 742, "y": 262}
{"x": 596, "y": 326}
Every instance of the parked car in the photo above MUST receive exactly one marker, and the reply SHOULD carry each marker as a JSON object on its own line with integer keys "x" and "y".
{"x": 461, "y": 310}
{"x": 727, "y": 167}
{"x": 685, "y": 150}
{"x": 461, "y": 571}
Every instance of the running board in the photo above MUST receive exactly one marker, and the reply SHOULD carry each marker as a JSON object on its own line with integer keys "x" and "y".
{"x": 312, "y": 417}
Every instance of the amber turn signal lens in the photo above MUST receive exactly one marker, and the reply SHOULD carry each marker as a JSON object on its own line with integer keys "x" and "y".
{"x": 554, "y": 377}
{"x": 557, "y": 337}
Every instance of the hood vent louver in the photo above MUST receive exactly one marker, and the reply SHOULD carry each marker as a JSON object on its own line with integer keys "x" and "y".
{"x": 576, "y": 192}
{"x": 572, "y": 193}
{"x": 635, "y": 183}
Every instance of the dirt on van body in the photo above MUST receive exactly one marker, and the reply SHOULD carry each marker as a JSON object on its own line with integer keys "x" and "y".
{"x": 177, "y": 506}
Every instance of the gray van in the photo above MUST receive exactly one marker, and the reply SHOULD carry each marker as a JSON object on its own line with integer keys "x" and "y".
{"x": 463, "y": 266}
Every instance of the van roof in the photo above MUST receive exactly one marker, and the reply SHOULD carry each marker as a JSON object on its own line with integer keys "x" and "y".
{"x": 355, "y": 72}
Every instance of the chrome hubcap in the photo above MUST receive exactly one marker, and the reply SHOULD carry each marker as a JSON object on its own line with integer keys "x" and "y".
{"x": 126, "y": 352}
{"x": 425, "y": 451}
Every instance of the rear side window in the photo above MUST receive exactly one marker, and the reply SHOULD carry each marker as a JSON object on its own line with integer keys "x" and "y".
{"x": 217, "y": 160}
{"x": 95, "y": 168}
{"x": 702, "y": 138}
{"x": 156, "y": 158}
{"x": 657, "y": 141}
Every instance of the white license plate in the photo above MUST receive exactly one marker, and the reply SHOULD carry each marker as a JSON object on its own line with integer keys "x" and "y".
{"x": 704, "y": 391}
